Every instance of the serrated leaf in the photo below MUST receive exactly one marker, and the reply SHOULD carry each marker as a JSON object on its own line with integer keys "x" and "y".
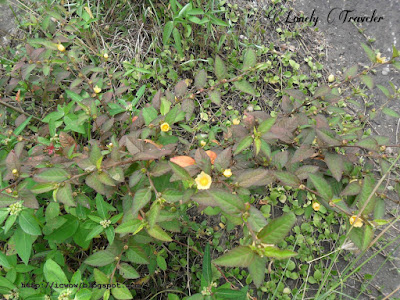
{"x": 278, "y": 253}
{"x": 361, "y": 237}
{"x": 228, "y": 202}
{"x": 351, "y": 72}
{"x": 241, "y": 256}
{"x": 325, "y": 136}
{"x": 257, "y": 270}
{"x": 180, "y": 172}
{"x": 127, "y": 271}
{"x": 250, "y": 59}
{"x": 131, "y": 226}
{"x": 288, "y": 179}
{"x": 351, "y": 189}
{"x": 52, "y": 175}
{"x": 266, "y": 125}
{"x": 158, "y": 233}
{"x": 6, "y": 200}
{"x": 335, "y": 165}
{"x": 93, "y": 182}
{"x": 23, "y": 244}
{"x": 223, "y": 159}
{"x": 371, "y": 54}
{"x": 141, "y": 198}
{"x": 121, "y": 293}
{"x": 64, "y": 195}
{"x": 200, "y": 80}
{"x": 302, "y": 153}
{"x": 220, "y": 68}
{"x": 215, "y": 97}
{"x": 180, "y": 88}
{"x": 245, "y": 87}
{"x": 28, "y": 223}
{"x": 296, "y": 94}
{"x": 322, "y": 186}
{"x": 100, "y": 258}
{"x": 243, "y": 144}
{"x": 254, "y": 177}
{"x": 390, "y": 112}
{"x": 366, "y": 190}
{"x": 368, "y": 81}
{"x": 94, "y": 232}
{"x": 322, "y": 91}
{"x": 277, "y": 229}
{"x": 369, "y": 144}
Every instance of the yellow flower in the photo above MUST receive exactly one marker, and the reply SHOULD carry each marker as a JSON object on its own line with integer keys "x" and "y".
{"x": 96, "y": 89}
{"x": 203, "y": 143}
{"x": 316, "y": 206}
{"x": 61, "y": 47}
{"x": 203, "y": 181}
{"x": 227, "y": 173}
{"x": 356, "y": 222}
{"x": 236, "y": 121}
{"x": 105, "y": 55}
{"x": 380, "y": 59}
{"x": 165, "y": 127}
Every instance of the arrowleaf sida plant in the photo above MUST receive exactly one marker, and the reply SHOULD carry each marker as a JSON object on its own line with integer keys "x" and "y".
{"x": 104, "y": 167}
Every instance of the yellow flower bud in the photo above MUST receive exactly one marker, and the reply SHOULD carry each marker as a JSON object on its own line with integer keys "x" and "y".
{"x": 165, "y": 127}
{"x": 105, "y": 55}
{"x": 316, "y": 206}
{"x": 331, "y": 78}
{"x": 96, "y": 89}
{"x": 61, "y": 47}
{"x": 15, "y": 171}
{"x": 203, "y": 143}
{"x": 356, "y": 222}
{"x": 236, "y": 121}
{"x": 227, "y": 173}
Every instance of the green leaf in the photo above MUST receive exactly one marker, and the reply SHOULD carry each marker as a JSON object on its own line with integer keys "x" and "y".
{"x": 27, "y": 71}
{"x": 178, "y": 42}
{"x": 169, "y": 26}
{"x": 65, "y": 231}
{"x": 351, "y": 72}
{"x": 157, "y": 232}
{"x": 161, "y": 262}
{"x": 52, "y": 175}
{"x": 390, "y": 112}
{"x": 226, "y": 293}
{"x": 127, "y": 271}
{"x": 100, "y": 258}
{"x": 207, "y": 272}
{"x": 132, "y": 226}
{"x": 94, "y": 232}
{"x": 369, "y": 144}
{"x": 368, "y": 81}
{"x": 362, "y": 237}
{"x": 22, "y": 126}
{"x": 4, "y": 282}
{"x": 351, "y": 189}
{"x": 245, "y": 87}
{"x": 121, "y": 293}
{"x": 241, "y": 256}
{"x": 250, "y": 59}
{"x": 153, "y": 213}
{"x": 200, "y": 80}
{"x": 23, "y": 244}
{"x": 228, "y": 202}
{"x": 53, "y": 273}
{"x": 370, "y": 53}
{"x": 180, "y": 172}
{"x": 64, "y": 195}
{"x": 215, "y": 97}
{"x": 42, "y": 188}
{"x": 266, "y": 125}
{"x": 6, "y": 200}
{"x": 366, "y": 190}
{"x": 288, "y": 179}
{"x": 141, "y": 198}
{"x": 327, "y": 138}
{"x": 243, "y": 144}
{"x": 384, "y": 90}
{"x": 74, "y": 96}
{"x": 322, "y": 186}
{"x": 395, "y": 52}
{"x": 335, "y": 165}
{"x": 28, "y": 223}
{"x": 276, "y": 230}
{"x": 4, "y": 261}
{"x": 322, "y": 91}
{"x": 83, "y": 294}
{"x": 278, "y": 253}
{"x": 220, "y": 69}
{"x": 254, "y": 177}
{"x": 257, "y": 270}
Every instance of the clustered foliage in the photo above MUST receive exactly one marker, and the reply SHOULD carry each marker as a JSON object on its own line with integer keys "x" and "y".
{"x": 105, "y": 180}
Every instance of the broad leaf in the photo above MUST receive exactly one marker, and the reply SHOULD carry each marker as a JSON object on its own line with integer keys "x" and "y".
{"x": 245, "y": 87}
{"x": 277, "y": 229}
{"x": 228, "y": 202}
{"x": 288, "y": 179}
{"x": 335, "y": 164}
{"x": 220, "y": 69}
{"x": 241, "y": 256}
{"x": 141, "y": 198}
{"x": 100, "y": 258}
{"x": 322, "y": 186}
{"x": 257, "y": 270}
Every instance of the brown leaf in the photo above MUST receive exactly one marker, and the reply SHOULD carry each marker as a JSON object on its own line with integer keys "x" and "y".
{"x": 66, "y": 140}
{"x": 183, "y": 161}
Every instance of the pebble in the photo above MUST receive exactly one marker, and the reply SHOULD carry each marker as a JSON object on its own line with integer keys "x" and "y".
{"x": 385, "y": 71}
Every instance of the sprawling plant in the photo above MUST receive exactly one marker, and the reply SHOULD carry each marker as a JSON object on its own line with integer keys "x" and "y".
{"x": 109, "y": 174}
